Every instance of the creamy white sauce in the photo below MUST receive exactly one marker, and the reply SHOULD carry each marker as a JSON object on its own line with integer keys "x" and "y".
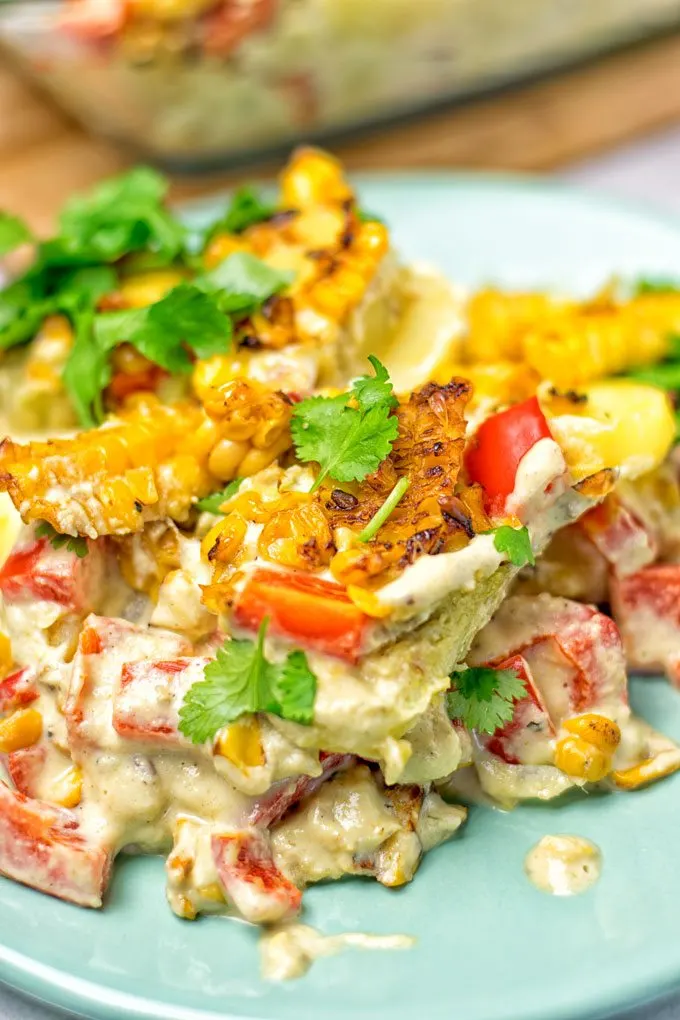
{"x": 288, "y": 951}
{"x": 563, "y": 865}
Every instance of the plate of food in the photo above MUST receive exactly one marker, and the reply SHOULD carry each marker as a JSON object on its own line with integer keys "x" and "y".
{"x": 334, "y": 521}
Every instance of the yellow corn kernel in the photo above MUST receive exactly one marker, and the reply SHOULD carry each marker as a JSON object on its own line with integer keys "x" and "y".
{"x": 256, "y": 460}
{"x": 313, "y": 177}
{"x": 221, "y": 247}
{"x": 347, "y": 566}
{"x": 186, "y": 908}
{"x": 224, "y": 539}
{"x": 144, "y": 289}
{"x": 368, "y": 602}
{"x": 6, "y": 660}
{"x": 213, "y": 893}
{"x": 497, "y": 323}
{"x": 648, "y": 771}
{"x": 21, "y": 729}
{"x": 577, "y": 758}
{"x": 597, "y": 730}
{"x": 240, "y": 744}
{"x": 225, "y": 458}
{"x": 67, "y": 788}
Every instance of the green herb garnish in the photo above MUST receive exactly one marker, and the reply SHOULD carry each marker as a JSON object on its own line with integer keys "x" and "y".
{"x": 74, "y": 544}
{"x": 484, "y": 699}
{"x": 211, "y": 504}
{"x": 241, "y": 680}
{"x": 350, "y": 435}
{"x": 515, "y": 543}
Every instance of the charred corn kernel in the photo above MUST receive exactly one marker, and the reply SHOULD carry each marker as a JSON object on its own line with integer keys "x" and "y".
{"x": 218, "y": 371}
{"x": 347, "y": 567}
{"x": 21, "y": 729}
{"x": 298, "y": 537}
{"x": 504, "y": 382}
{"x": 597, "y": 730}
{"x": 648, "y": 771}
{"x": 582, "y": 760}
{"x": 368, "y": 602}
{"x": 240, "y": 744}
{"x": 6, "y": 660}
{"x": 256, "y": 460}
{"x": 497, "y": 323}
{"x": 213, "y": 893}
{"x": 313, "y": 177}
{"x": 597, "y": 339}
{"x": 225, "y": 458}
{"x": 250, "y": 506}
{"x": 224, "y": 540}
{"x": 144, "y": 289}
{"x": 67, "y": 788}
{"x": 99, "y": 482}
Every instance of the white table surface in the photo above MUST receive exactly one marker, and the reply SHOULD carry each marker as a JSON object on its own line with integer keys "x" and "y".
{"x": 648, "y": 170}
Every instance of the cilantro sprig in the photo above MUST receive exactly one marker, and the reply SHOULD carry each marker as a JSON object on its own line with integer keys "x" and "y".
{"x": 241, "y": 680}
{"x": 212, "y": 504}
{"x": 75, "y": 545}
{"x": 246, "y": 208}
{"x": 515, "y": 543}
{"x": 483, "y": 699}
{"x": 13, "y": 233}
{"x": 350, "y": 435}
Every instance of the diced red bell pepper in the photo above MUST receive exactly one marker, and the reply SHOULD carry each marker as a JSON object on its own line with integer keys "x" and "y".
{"x": 124, "y": 384}
{"x": 18, "y": 690}
{"x": 646, "y": 606}
{"x": 619, "y": 536}
{"x": 117, "y": 642}
{"x": 273, "y": 805}
{"x": 499, "y": 445}
{"x": 149, "y": 695}
{"x": 251, "y": 880}
{"x": 25, "y": 768}
{"x": 41, "y": 846}
{"x": 586, "y": 666}
{"x": 530, "y": 723}
{"x": 37, "y": 571}
{"x": 309, "y": 611}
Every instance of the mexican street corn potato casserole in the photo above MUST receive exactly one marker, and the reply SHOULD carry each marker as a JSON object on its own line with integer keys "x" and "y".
{"x": 302, "y": 545}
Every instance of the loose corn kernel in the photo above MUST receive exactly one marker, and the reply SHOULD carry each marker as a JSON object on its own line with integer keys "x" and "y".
{"x": 67, "y": 788}
{"x": 313, "y": 177}
{"x": 224, "y": 539}
{"x": 298, "y": 537}
{"x": 6, "y": 660}
{"x": 186, "y": 909}
{"x": 213, "y": 893}
{"x": 225, "y": 458}
{"x": 240, "y": 744}
{"x": 368, "y": 602}
{"x": 144, "y": 289}
{"x": 597, "y": 730}
{"x": 347, "y": 566}
{"x": 257, "y": 460}
{"x": 648, "y": 771}
{"x": 21, "y": 729}
{"x": 577, "y": 758}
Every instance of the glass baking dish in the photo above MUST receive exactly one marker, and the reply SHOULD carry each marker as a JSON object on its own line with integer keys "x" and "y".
{"x": 200, "y": 84}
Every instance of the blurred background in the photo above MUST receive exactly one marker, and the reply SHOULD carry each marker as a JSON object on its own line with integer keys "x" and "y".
{"x": 210, "y": 89}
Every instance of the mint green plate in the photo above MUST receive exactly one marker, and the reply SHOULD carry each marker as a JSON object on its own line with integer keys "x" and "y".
{"x": 490, "y": 947}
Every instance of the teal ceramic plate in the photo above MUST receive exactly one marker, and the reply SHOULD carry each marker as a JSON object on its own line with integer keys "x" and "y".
{"x": 489, "y": 945}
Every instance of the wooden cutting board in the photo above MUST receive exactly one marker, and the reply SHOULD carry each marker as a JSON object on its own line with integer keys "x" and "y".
{"x": 44, "y": 156}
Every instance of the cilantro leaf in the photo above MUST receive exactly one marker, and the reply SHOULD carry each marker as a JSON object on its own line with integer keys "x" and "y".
{"x": 87, "y": 371}
{"x": 295, "y": 689}
{"x": 347, "y": 442}
{"x": 515, "y": 543}
{"x": 13, "y": 233}
{"x": 365, "y": 216}
{"x": 211, "y": 504}
{"x": 185, "y": 317}
{"x": 655, "y": 285}
{"x": 75, "y": 545}
{"x": 121, "y": 215}
{"x": 371, "y": 390}
{"x": 241, "y": 680}
{"x": 483, "y": 699}
{"x": 247, "y": 207}
{"x": 243, "y": 282}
